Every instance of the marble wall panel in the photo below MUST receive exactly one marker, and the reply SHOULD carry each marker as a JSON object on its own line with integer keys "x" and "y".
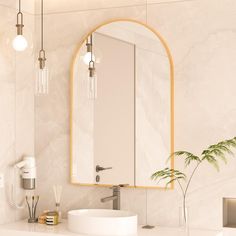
{"x": 16, "y": 105}
{"x": 201, "y": 35}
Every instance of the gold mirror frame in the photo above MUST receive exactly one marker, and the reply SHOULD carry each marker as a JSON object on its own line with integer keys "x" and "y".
{"x": 171, "y": 67}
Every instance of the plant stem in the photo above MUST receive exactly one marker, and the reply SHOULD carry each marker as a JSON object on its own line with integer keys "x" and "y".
{"x": 186, "y": 191}
{"x": 181, "y": 187}
{"x": 190, "y": 179}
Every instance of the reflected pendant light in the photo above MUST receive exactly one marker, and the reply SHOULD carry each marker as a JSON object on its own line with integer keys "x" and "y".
{"x": 92, "y": 77}
{"x": 87, "y": 56}
{"x": 19, "y": 43}
{"x": 42, "y": 73}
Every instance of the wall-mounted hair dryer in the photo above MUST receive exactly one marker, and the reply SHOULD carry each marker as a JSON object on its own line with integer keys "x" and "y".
{"x": 28, "y": 172}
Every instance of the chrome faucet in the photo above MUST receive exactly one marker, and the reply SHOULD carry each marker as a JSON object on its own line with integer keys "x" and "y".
{"x": 115, "y": 197}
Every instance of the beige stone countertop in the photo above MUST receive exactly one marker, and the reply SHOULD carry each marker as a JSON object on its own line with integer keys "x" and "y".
{"x": 22, "y": 228}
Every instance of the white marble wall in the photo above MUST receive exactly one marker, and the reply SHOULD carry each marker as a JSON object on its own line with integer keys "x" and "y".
{"x": 63, "y": 32}
{"x": 16, "y": 101}
{"x": 201, "y": 35}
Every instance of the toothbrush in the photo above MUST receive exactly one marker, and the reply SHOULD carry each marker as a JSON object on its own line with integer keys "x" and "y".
{"x": 28, "y": 206}
{"x": 35, "y": 207}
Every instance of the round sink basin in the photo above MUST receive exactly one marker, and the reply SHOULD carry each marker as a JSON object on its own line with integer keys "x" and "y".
{"x": 102, "y": 222}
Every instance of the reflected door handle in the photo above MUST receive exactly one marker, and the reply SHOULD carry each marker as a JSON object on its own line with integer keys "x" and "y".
{"x": 119, "y": 186}
{"x": 100, "y": 168}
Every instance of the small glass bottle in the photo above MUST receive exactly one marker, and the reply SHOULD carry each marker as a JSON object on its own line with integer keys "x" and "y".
{"x": 59, "y": 212}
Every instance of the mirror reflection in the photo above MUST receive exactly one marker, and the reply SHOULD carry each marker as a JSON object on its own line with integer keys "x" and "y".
{"x": 122, "y": 121}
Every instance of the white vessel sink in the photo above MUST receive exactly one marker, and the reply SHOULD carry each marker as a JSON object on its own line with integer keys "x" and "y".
{"x": 102, "y": 222}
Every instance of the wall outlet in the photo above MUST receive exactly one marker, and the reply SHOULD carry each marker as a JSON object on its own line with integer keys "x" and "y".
{"x": 1, "y": 180}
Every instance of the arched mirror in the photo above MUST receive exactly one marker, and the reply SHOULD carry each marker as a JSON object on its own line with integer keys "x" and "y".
{"x": 121, "y": 106}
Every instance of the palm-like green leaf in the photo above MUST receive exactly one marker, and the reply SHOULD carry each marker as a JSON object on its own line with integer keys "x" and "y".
{"x": 168, "y": 173}
{"x": 189, "y": 157}
{"x": 212, "y": 154}
{"x": 219, "y": 150}
{"x": 212, "y": 160}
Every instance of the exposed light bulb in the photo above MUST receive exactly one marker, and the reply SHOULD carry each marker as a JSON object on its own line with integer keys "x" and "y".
{"x": 87, "y": 58}
{"x": 19, "y": 43}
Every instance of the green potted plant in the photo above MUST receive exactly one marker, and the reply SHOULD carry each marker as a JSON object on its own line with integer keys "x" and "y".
{"x": 211, "y": 155}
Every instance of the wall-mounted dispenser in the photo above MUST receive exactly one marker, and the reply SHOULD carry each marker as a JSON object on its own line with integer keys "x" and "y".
{"x": 28, "y": 172}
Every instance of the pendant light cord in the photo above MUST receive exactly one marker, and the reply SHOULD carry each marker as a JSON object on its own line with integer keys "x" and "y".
{"x": 42, "y": 29}
{"x": 91, "y": 63}
{"x": 42, "y": 57}
{"x": 91, "y": 41}
{"x": 19, "y": 15}
{"x": 19, "y": 5}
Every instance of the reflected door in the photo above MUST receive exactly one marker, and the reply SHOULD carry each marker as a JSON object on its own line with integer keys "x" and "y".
{"x": 114, "y": 111}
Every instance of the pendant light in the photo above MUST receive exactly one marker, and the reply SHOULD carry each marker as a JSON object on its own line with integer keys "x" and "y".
{"x": 42, "y": 73}
{"x": 19, "y": 43}
{"x": 87, "y": 56}
{"x": 92, "y": 77}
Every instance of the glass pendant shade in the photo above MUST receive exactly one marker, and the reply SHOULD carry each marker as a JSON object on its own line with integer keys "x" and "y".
{"x": 19, "y": 43}
{"x": 42, "y": 81}
{"x": 92, "y": 86}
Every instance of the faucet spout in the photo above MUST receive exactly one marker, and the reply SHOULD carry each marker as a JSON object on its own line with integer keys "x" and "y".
{"x": 115, "y": 198}
{"x": 111, "y": 198}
